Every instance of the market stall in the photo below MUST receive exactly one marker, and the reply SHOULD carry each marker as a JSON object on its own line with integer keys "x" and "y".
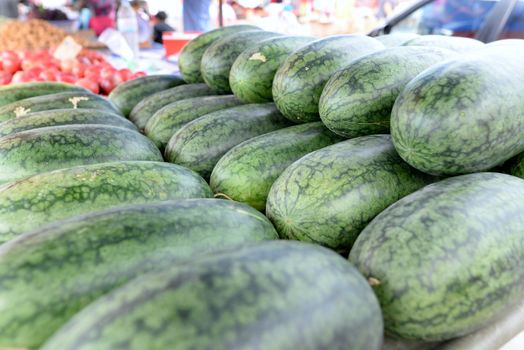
{"x": 249, "y": 187}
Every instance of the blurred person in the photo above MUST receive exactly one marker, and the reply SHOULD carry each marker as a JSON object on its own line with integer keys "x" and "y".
{"x": 196, "y": 15}
{"x": 9, "y": 8}
{"x": 142, "y": 17}
{"x": 240, "y": 12}
{"x": 228, "y": 15}
{"x": 101, "y": 15}
{"x": 386, "y": 8}
{"x": 161, "y": 27}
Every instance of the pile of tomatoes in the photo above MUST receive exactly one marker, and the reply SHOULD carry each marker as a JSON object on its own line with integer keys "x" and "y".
{"x": 88, "y": 69}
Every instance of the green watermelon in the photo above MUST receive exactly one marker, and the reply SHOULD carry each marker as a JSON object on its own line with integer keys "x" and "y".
{"x": 62, "y": 267}
{"x": 455, "y": 43}
{"x": 251, "y": 76}
{"x": 219, "y": 57}
{"x": 464, "y": 115}
{"x": 56, "y": 195}
{"x": 199, "y": 144}
{"x": 270, "y": 295}
{"x": 358, "y": 99}
{"x": 328, "y": 196}
{"x": 191, "y": 55}
{"x": 515, "y": 166}
{"x": 15, "y": 92}
{"x": 504, "y": 42}
{"x": 447, "y": 259}
{"x": 39, "y": 150}
{"x": 247, "y": 171}
{"x": 299, "y": 81}
{"x": 168, "y": 120}
{"x": 396, "y": 39}
{"x": 63, "y": 100}
{"x": 146, "y": 108}
{"x": 57, "y": 117}
{"x": 127, "y": 95}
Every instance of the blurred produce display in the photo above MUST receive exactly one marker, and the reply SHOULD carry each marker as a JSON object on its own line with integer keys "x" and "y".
{"x": 33, "y": 34}
{"x": 89, "y": 69}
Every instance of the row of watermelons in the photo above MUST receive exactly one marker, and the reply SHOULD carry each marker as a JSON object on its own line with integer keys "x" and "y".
{"x": 107, "y": 247}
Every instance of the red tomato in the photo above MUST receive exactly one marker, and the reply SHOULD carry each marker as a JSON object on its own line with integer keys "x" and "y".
{"x": 66, "y": 78}
{"x": 28, "y": 62}
{"x": 138, "y": 75}
{"x": 88, "y": 84}
{"x": 126, "y": 74}
{"x": 48, "y": 75}
{"x": 21, "y": 77}
{"x": 107, "y": 86}
{"x": 36, "y": 70}
{"x": 5, "y": 78}
{"x": 117, "y": 78}
{"x": 11, "y": 64}
{"x": 9, "y": 54}
{"x": 79, "y": 70}
{"x": 66, "y": 66}
{"x": 107, "y": 72}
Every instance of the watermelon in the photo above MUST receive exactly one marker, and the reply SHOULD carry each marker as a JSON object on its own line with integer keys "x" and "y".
{"x": 59, "y": 117}
{"x": 515, "y": 166}
{"x": 299, "y": 81}
{"x": 219, "y": 57}
{"x": 191, "y": 55}
{"x": 168, "y": 120}
{"x": 504, "y": 42}
{"x": 145, "y": 109}
{"x": 45, "y": 149}
{"x": 328, "y": 196}
{"x": 15, "y": 92}
{"x": 358, "y": 99}
{"x": 255, "y": 297}
{"x": 252, "y": 73}
{"x": 199, "y": 144}
{"x": 247, "y": 171}
{"x": 464, "y": 115}
{"x": 63, "y": 100}
{"x": 455, "y": 43}
{"x": 396, "y": 39}
{"x": 127, "y": 95}
{"x": 56, "y": 195}
{"x": 62, "y": 267}
{"x": 447, "y": 259}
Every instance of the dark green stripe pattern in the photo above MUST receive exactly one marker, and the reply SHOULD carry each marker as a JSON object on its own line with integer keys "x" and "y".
{"x": 69, "y": 100}
{"x": 447, "y": 259}
{"x": 271, "y": 295}
{"x": 358, "y": 99}
{"x": 191, "y": 55}
{"x": 251, "y": 76}
{"x": 247, "y": 171}
{"x": 28, "y": 203}
{"x": 300, "y": 79}
{"x": 464, "y": 115}
{"x": 220, "y": 56}
{"x": 328, "y": 196}
{"x": 127, "y": 95}
{"x": 146, "y": 108}
{"x": 59, "y": 117}
{"x": 15, "y": 92}
{"x": 168, "y": 120}
{"x": 39, "y": 150}
{"x": 55, "y": 271}
{"x": 201, "y": 143}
